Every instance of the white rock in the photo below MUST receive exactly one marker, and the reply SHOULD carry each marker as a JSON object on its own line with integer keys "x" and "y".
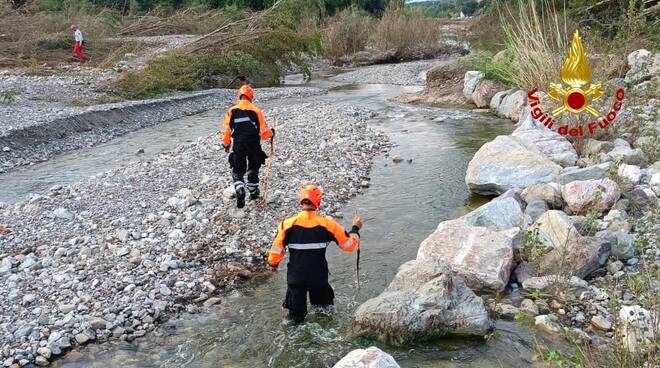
{"x": 636, "y": 327}
{"x": 601, "y": 323}
{"x": 481, "y": 256}
{"x": 164, "y": 290}
{"x": 655, "y": 183}
{"x": 630, "y": 173}
{"x": 44, "y": 352}
{"x": 528, "y": 306}
{"x": 506, "y": 163}
{"x": 643, "y": 65}
{"x": 62, "y": 213}
{"x": 176, "y": 234}
{"x": 583, "y": 195}
{"x": 555, "y": 229}
{"x": 424, "y": 300}
{"x": 551, "y": 144}
{"x": 372, "y": 357}
{"x": 544, "y": 282}
{"x": 547, "y": 323}
{"x": 513, "y": 105}
{"x": 229, "y": 192}
{"x": 470, "y": 81}
{"x": 499, "y": 215}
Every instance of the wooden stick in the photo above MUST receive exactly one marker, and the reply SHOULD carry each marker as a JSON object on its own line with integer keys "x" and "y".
{"x": 357, "y": 261}
{"x": 264, "y": 200}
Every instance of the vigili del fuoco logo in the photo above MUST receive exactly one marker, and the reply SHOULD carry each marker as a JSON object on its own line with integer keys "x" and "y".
{"x": 575, "y": 99}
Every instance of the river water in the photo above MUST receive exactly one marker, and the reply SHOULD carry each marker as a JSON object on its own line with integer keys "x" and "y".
{"x": 405, "y": 203}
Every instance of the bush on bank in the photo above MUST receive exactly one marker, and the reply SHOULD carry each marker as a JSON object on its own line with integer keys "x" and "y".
{"x": 261, "y": 55}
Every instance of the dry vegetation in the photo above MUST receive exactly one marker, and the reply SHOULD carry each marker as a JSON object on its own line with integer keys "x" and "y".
{"x": 44, "y": 37}
{"x": 533, "y": 37}
{"x": 399, "y": 35}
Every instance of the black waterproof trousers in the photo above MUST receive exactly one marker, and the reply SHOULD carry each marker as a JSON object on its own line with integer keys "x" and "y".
{"x": 296, "y": 299}
{"x": 246, "y": 157}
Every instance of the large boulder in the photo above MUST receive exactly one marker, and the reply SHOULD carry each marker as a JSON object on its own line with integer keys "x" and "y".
{"x": 535, "y": 209}
{"x": 594, "y": 172}
{"x": 424, "y": 301}
{"x": 642, "y": 196}
{"x": 506, "y": 163}
{"x": 655, "y": 183}
{"x": 579, "y": 256}
{"x": 627, "y": 155}
{"x": 553, "y": 145}
{"x": 500, "y": 215}
{"x": 497, "y": 99}
{"x": 594, "y": 147}
{"x": 484, "y": 92}
{"x": 643, "y": 65}
{"x": 515, "y": 193}
{"x": 481, "y": 256}
{"x": 623, "y": 244}
{"x": 549, "y": 193}
{"x": 513, "y": 105}
{"x": 543, "y": 283}
{"x": 584, "y": 195}
{"x": 371, "y": 357}
{"x": 555, "y": 229}
{"x": 635, "y": 328}
{"x": 470, "y": 81}
{"x": 630, "y": 173}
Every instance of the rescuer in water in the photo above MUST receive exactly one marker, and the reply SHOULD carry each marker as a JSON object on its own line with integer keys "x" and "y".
{"x": 307, "y": 236}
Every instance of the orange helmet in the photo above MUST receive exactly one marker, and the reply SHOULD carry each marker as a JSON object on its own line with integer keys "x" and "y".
{"x": 246, "y": 91}
{"x": 311, "y": 193}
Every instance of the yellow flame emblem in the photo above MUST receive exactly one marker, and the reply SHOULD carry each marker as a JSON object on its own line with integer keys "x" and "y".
{"x": 575, "y": 73}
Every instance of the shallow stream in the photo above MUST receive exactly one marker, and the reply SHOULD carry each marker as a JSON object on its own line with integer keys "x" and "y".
{"x": 405, "y": 203}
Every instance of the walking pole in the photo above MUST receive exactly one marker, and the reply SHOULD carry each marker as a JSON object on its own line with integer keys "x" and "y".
{"x": 357, "y": 262}
{"x": 264, "y": 200}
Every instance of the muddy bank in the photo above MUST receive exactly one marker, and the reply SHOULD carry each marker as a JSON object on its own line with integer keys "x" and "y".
{"x": 37, "y": 140}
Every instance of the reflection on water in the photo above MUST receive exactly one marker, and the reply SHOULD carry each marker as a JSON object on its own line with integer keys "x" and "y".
{"x": 405, "y": 202}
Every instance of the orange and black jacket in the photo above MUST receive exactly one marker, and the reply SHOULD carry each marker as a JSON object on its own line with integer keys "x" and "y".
{"x": 307, "y": 235}
{"x": 245, "y": 123}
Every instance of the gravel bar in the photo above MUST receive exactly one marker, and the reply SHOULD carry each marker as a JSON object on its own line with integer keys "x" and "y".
{"x": 403, "y": 74}
{"x": 40, "y": 135}
{"x": 116, "y": 255}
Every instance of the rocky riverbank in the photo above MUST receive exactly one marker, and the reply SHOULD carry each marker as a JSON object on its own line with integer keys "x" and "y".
{"x": 572, "y": 237}
{"x": 114, "y": 256}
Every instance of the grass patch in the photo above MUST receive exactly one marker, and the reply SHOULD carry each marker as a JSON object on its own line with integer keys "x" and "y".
{"x": 8, "y": 97}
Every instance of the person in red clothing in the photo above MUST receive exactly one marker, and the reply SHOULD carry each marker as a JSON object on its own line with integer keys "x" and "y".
{"x": 79, "y": 41}
{"x": 245, "y": 125}
{"x": 306, "y": 236}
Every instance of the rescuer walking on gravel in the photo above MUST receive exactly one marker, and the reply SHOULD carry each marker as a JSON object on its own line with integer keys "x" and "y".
{"x": 307, "y": 235}
{"x": 78, "y": 45}
{"x": 246, "y": 125}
